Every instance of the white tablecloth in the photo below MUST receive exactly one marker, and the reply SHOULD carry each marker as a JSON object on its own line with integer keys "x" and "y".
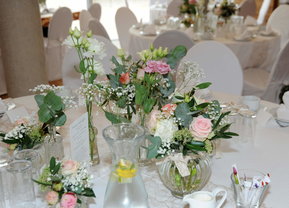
{"x": 257, "y": 53}
{"x": 270, "y": 154}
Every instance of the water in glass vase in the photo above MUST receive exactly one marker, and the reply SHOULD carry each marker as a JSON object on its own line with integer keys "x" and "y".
{"x": 125, "y": 188}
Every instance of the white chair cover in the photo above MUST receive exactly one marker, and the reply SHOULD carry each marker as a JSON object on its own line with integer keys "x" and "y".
{"x": 57, "y": 32}
{"x": 174, "y": 8}
{"x": 263, "y": 11}
{"x": 110, "y": 50}
{"x": 279, "y": 21}
{"x": 173, "y": 38}
{"x": 95, "y": 10}
{"x": 267, "y": 85}
{"x": 84, "y": 18}
{"x": 248, "y": 8}
{"x": 97, "y": 28}
{"x": 220, "y": 64}
{"x": 70, "y": 77}
{"x": 124, "y": 19}
{"x": 3, "y": 88}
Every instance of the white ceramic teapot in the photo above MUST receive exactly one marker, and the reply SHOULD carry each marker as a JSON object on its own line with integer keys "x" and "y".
{"x": 205, "y": 199}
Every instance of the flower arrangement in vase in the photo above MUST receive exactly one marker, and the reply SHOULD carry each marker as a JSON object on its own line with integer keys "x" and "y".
{"x": 189, "y": 8}
{"x": 26, "y": 135}
{"x": 66, "y": 183}
{"x": 90, "y": 51}
{"x": 180, "y": 131}
{"x": 225, "y": 10}
{"x": 136, "y": 87}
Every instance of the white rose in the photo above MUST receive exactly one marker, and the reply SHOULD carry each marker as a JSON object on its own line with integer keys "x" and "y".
{"x": 165, "y": 129}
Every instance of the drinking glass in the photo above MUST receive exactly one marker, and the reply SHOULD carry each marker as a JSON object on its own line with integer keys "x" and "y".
{"x": 20, "y": 186}
{"x": 249, "y": 196}
{"x": 33, "y": 156}
{"x": 248, "y": 125}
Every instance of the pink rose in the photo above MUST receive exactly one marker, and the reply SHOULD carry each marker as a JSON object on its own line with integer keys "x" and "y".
{"x": 68, "y": 200}
{"x": 192, "y": 1}
{"x": 140, "y": 74}
{"x": 169, "y": 109}
{"x": 69, "y": 167}
{"x": 124, "y": 78}
{"x": 201, "y": 128}
{"x": 152, "y": 120}
{"x": 51, "y": 197}
{"x": 158, "y": 67}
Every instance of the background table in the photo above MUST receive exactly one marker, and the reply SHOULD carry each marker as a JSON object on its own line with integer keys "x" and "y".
{"x": 270, "y": 154}
{"x": 257, "y": 53}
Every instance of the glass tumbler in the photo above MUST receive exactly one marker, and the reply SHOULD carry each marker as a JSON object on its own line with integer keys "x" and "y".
{"x": 248, "y": 125}
{"x": 20, "y": 186}
{"x": 249, "y": 193}
{"x": 33, "y": 156}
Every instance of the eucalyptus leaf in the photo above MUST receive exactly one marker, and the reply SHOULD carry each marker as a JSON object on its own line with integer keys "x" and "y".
{"x": 53, "y": 101}
{"x": 154, "y": 146}
{"x": 115, "y": 119}
{"x": 175, "y": 55}
{"x": 44, "y": 114}
{"x": 60, "y": 120}
{"x": 88, "y": 192}
{"x": 148, "y": 105}
{"x": 182, "y": 112}
{"x": 39, "y": 99}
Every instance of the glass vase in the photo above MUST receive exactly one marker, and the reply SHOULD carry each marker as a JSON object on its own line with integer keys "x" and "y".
{"x": 53, "y": 145}
{"x": 125, "y": 188}
{"x": 93, "y": 149}
{"x": 199, "y": 172}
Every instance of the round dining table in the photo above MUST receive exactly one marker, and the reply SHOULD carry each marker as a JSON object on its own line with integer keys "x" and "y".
{"x": 267, "y": 152}
{"x": 259, "y": 52}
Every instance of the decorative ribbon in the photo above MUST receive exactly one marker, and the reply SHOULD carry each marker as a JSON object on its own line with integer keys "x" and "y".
{"x": 181, "y": 163}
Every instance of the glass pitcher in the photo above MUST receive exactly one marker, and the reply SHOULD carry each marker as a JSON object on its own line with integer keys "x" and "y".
{"x": 125, "y": 188}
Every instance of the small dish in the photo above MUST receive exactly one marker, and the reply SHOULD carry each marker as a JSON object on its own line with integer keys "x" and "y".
{"x": 268, "y": 34}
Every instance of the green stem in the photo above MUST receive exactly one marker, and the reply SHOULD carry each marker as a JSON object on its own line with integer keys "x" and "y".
{"x": 90, "y": 128}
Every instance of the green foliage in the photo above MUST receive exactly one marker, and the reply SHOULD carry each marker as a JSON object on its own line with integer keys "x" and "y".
{"x": 115, "y": 119}
{"x": 154, "y": 146}
{"x": 182, "y": 113}
{"x": 51, "y": 109}
{"x": 175, "y": 56}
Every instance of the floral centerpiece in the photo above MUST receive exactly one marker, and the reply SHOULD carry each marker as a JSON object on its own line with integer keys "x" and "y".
{"x": 136, "y": 87}
{"x": 66, "y": 183}
{"x": 180, "y": 131}
{"x": 26, "y": 135}
{"x": 188, "y": 8}
{"x": 225, "y": 10}
{"x": 90, "y": 52}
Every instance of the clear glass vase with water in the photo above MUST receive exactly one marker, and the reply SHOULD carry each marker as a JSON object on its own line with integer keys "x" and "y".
{"x": 125, "y": 188}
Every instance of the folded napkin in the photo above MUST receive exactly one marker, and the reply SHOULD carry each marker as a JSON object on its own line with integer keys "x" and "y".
{"x": 249, "y": 21}
{"x": 246, "y": 35}
{"x": 269, "y": 31}
{"x": 149, "y": 29}
{"x": 285, "y": 99}
{"x": 138, "y": 25}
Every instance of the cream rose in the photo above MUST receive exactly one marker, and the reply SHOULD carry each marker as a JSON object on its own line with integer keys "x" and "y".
{"x": 165, "y": 129}
{"x": 51, "y": 197}
{"x": 69, "y": 167}
{"x": 201, "y": 128}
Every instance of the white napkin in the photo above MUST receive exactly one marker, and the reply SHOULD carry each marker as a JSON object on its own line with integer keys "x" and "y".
{"x": 286, "y": 99}
{"x": 149, "y": 29}
{"x": 268, "y": 31}
{"x": 263, "y": 117}
{"x": 138, "y": 25}
{"x": 249, "y": 21}
{"x": 246, "y": 35}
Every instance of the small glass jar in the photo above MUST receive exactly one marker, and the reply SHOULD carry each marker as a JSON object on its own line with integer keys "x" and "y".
{"x": 20, "y": 186}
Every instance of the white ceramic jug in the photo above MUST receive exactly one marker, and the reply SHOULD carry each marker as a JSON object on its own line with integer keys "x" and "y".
{"x": 205, "y": 199}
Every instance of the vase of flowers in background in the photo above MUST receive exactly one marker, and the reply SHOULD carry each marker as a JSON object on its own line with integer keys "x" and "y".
{"x": 90, "y": 52}
{"x": 66, "y": 183}
{"x": 181, "y": 131}
{"x": 27, "y": 134}
{"x": 189, "y": 9}
{"x": 137, "y": 87}
{"x": 225, "y": 10}
{"x": 51, "y": 114}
